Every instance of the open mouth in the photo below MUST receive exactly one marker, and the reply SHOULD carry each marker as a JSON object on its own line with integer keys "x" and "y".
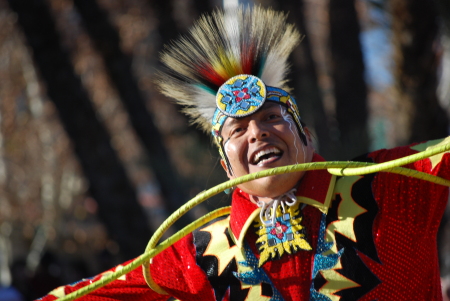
{"x": 266, "y": 156}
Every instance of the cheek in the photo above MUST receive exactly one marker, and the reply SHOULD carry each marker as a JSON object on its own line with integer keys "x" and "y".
{"x": 233, "y": 151}
{"x": 289, "y": 133}
{"x": 285, "y": 133}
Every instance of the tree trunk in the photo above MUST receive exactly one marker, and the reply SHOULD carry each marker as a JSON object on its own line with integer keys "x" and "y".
{"x": 203, "y": 6}
{"x": 304, "y": 79}
{"x": 119, "y": 67}
{"x": 347, "y": 69}
{"x": 444, "y": 229}
{"x": 169, "y": 30}
{"x": 109, "y": 185}
{"x": 420, "y": 116}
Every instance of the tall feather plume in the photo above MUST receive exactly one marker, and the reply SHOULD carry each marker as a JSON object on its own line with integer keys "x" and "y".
{"x": 252, "y": 41}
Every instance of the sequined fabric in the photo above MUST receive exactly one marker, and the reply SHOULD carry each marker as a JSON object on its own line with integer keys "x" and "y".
{"x": 323, "y": 260}
{"x": 405, "y": 231}
{"x": 251, "y": 274}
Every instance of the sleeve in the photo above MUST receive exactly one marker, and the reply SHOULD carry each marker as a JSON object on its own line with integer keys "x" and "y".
{"x": 418, "y": 202}
{"x": 131, "y": 286}
{"x": 175, "y": 270}
{"x": 437, "y": 165}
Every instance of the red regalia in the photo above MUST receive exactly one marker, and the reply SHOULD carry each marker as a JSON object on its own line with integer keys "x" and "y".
{"x": 371, "y": 237}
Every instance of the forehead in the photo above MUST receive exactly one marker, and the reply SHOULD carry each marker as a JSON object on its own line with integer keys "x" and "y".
{"x": 267, "y": 107}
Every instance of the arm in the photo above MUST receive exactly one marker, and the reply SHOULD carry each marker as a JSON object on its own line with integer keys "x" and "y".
{"x": 131, "y": 286}
{"x": 175, "y": 270}
{"x": 428, "y": 199}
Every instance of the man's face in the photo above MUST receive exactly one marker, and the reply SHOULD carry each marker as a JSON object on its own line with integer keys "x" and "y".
{"x": 266, "y": 139}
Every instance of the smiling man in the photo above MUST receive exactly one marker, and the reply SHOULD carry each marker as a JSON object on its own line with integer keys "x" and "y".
{"x": 263, "y": 140}
{"x": 298, "y": 236}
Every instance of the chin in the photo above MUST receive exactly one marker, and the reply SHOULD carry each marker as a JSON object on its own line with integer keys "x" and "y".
{"x": 272, "y": 186}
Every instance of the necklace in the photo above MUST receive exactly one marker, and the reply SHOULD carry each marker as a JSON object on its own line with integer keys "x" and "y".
{"x": 279, "y": 228}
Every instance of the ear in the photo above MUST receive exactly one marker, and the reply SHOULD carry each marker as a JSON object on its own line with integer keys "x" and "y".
{"x": 308, "y": 134}
{"x": 225, "y": 167}
{"x": 310, "y": 150}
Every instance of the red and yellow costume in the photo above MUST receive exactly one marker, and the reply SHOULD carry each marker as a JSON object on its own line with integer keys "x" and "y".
{"x": 372, "y": 237}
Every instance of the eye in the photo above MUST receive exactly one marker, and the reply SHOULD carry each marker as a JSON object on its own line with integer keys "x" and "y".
{"x": 273, "y": 116}
{"x": 237, "y": 131}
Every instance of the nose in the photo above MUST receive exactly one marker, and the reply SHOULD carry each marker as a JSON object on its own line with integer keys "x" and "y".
{"x": 256, "y": 131}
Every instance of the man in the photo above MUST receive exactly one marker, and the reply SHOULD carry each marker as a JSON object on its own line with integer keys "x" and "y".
{"x": 299, "y": 236}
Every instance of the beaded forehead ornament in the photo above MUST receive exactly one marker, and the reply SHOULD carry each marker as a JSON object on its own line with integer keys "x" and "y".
{"x": 228, "y": 65}
{"x": 241, "y": 95}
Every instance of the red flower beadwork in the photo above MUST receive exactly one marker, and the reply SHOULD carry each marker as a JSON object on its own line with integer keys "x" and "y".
{"x": 279, "y": 230}
{"x": 245, "y": 96}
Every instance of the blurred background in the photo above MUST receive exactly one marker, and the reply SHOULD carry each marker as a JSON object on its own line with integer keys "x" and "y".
{"x": 93, "y": 158}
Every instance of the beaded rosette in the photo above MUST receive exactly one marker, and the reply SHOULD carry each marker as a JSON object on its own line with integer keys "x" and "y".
{"x": 241, "y": 95}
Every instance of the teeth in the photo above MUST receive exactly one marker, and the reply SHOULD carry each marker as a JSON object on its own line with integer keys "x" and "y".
{"x": 272, "y": 150}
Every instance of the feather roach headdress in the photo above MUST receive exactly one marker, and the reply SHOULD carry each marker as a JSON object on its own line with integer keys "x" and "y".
{"x": 228, "y": 65}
